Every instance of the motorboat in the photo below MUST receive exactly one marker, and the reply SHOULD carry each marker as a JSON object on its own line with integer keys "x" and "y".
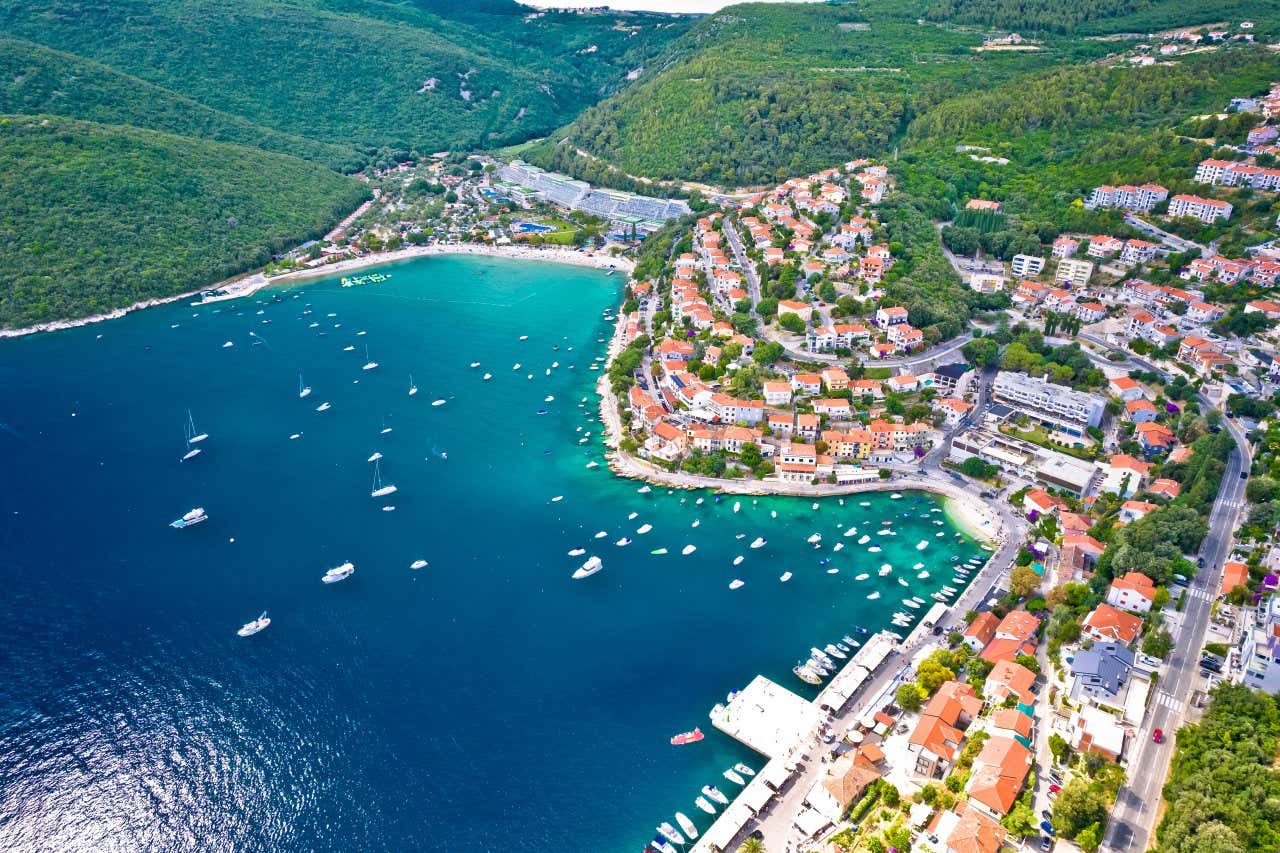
{"x": 418, "y": 564}
{"x": 324, "y": 407}
{"x": 852, "y": 531}
{"x": 589, "y": 568}
{"x": 557, "y": 499}
{"x": 341, "y": 573}
{"x": 873, "y": 596}
{"x": 732, "y": 776}
{"x": 375, "y": 457}
{"x": 820, "y": 655}
{"x": 622, "y": 542}
{"x": 913, "y": 605}
{"x": 744, "y": 769}
{"x": 758, "y": 542}
{"x": 440, "y": 402}
{"x": 660, "y": 845}
{"x": 861, "y": 577}
{"x": 864, "y": 539}
{"x": 688, "y": 549}
{"x": 806, "y": 674}
{"x": 251, "y": 628}
{"x": 834, "y": 651}
{"x": 784, "y": 577}
{"x": 685, "y": 738}
{"x": 643, "y": 529}
{"x": 737, "y": 561}
{"x": 922, "y": 544}
{"x": 189, "y": 518}
{"x": 600, "y": 535}
{"x": 885, "y": 569}
{"x": 714, "y": 793}
{"x": 737, "y": 583}
{"x": 670, "y": 833}
{"x": 687, "y": 825}
{"x": 702, "y": 803}
{"x": 658, "y": 552}
{"x": 814, "y": 539}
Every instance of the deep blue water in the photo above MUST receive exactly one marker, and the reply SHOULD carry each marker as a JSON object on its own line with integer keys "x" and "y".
{"x": 486, "y": 702}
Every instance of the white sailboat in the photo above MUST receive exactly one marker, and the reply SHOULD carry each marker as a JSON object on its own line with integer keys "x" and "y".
{"x": 194, "y": 436}
{"x": 369, "y": 363}
{"x": 413, "y": 388}
{"x": 303, "y": 388}
{"x": 379, "y": 490}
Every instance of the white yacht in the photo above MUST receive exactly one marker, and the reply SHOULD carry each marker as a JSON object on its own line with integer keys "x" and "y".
{"x": 589, "y": 568}
{"x": 688, "y": 549}
{"x": 380, "y": 490}
{"x": 194, "y": 436}
{"x": 687, "y": 825}
{"x": 341, "y": 573}
{"x": 733, "y": 776}
{"x": 251, "y": 628}
{"x": 758, "y": 542}
{"x": 714, "y": 793}
{"x": 418, "y": 564}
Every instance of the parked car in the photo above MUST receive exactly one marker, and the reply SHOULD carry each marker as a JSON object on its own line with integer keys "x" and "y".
{"x": 1158, "y": 736}
{"x": 1046, "y": 814}
{"x": 1053, "y": 789}
{"x": 1047, "y": 827}
{"x": 1046, "y": 843}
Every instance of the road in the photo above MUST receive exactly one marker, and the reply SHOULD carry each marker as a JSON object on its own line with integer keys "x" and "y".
{"x": 1132, "y": 818}
{"x": 1173, "y": 241}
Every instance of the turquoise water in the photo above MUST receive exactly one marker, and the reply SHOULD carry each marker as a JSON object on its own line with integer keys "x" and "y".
{"x": 484, "y": 702}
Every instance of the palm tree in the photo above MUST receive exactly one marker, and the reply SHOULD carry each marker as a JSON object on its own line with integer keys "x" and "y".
{"x": 752, "y": 845}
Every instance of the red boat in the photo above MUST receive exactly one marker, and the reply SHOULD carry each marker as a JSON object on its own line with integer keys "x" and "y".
{"x": 688, "y": 737}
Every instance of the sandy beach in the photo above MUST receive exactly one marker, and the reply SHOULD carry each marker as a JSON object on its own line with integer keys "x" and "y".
{"x": 246, "y": 285}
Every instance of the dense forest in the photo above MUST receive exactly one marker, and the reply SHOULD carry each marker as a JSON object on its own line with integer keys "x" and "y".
{"x": 97, "y": 217}
{"x": 1223, "y": 792}
{"x": 1097, "y": 16}
{"x": 761, "y": 92}
{"x": 363, "y": 72}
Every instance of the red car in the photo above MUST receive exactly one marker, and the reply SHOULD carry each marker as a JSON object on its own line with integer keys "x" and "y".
{"x": 1158, "y": 736}
{"x": 1053, "y": 789}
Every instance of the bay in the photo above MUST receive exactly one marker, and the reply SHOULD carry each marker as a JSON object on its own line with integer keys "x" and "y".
{"x": 483, "y": 702}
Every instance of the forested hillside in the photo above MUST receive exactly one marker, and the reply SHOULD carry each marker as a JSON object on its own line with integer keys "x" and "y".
{"x": 36, "y": 80}
{"x": 357, "y": 72}
{"x": 1097, "y": 16}
{"x": 97, "y": 217}
{"x": 758, "y": 92}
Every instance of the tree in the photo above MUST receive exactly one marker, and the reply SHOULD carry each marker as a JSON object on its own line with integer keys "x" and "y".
{"x": 1020, "y": 820}
{"x": 976, "y": 468}
{"x": 1029, "y": 662}
{"x": 752, "y": 845}
{"x": 1060, "y": 748}
{"x": 1024, "y": 581}
{"x": 909, "y": 697}
{"x": 1078, "y": 806}
{"x": 767, "y": 352}
{"x": 792, "y": 323}
{"x": 1087, "y": 838}
{"x": 931, "y": 675}
{"x": 1157, "y": 643}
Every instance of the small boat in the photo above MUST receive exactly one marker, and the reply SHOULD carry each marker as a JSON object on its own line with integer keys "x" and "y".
{"x": 475, "y": 364}
{"x": 732, "y": 776}
{"x": 922, "y": 544}
{"x": 874, "y": 549}
{"x": 687, "y": 825}
{"x": 714, "y": 793}
{"x": 515, "y": 366}
{"x": 589, "y": 568}
{"x": 295, "y": 436}
{"x": 885, "y": 569}
{"x": 380, "y": 490}
{"x": 413, "y": 388}
{"x": 814, "y": 539}
{"x": 873, "y": 596}
{"x": 341, "y": 573}
{"x": 830, "y": 649}
{"x": 687, "y": 737}
{"x": 833, "y": 571}
{"x": 524, "y": 337}
{"x": 643, "y": 490}
{"x": 418, "y": 564}
{"x": 861, "y": 577}
{"x": 895, "y": 496}
{"x": 191, "y": 454}
{"x": 688, "y": 549}
{"x": 303, "y": 388}
{"x": 189, "y": 518}
{"x": 600, "y": 535}
{"x": 388, "y": 508}
{"x": 348, "y": 348}
{"x": 550, "y": 398}
{"x": 251, "y": 628}
{"x": 557, "y": 499}
{"x": 643, "y": 529}
{"x": 488, "y": 376}
{"x": 805, "y": 674}
{"x": 659, "y": 844}
{"x": 696, "y": 522}
{"x": 864, "y": 539}
{"x": 632, "y": 516}
{"x": 593, "y": 464}
{"x": 658, "y": 552}
{"x": 786, "y": 576}
{"x": 440, "y": 402}
{"x": 903, "y": 582}
{"x": 737, "y": 561}
{"x": 624, "y": 541}
{"x": 737, "y": 505}
{"x": 229, "y": 344}
{"x": 369, "y": 363}
{"x": 577, "y": 552}
{"x": 670, "y": 833}
{"x": 323, "y": 407}
{"x": 744, "y": 769}
{"x": 375, "y": 457}
{"x": 923, "y": 576}
{"x": 911, "y": 604}
{"x": 702, "y": 803}
{"x": 737, "y": 583}
{"x": 193, "y": 436}
{"x": 758, "y": 542}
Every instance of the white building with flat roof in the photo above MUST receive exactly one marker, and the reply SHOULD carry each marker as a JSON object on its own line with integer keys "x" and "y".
{"x": 1055, "y": 406}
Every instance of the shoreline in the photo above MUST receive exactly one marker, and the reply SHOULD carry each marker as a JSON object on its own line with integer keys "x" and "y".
{"x": 247, "y": 284}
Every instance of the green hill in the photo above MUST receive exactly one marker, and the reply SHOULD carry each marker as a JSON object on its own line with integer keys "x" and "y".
{"x": 1102, "y": 16}
{"x": 36, "y": 80}
{"x": 758, "y": 92}
{"x": 97, "y": 217}
{"x": 358, "y": 72}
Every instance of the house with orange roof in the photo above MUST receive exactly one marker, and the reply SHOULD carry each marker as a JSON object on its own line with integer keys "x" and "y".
{"x": 1135, "y": 591}
{"x": 1009, "y": 679}
{"x": 835, "y": 407}
{"x": 835, "y": 379}
{"x": 936, "y": 740}
{"x": 1074, "y": 522}
{"x": 1091, "y": 547}
{"x": 803, "y": 310}
{"x": 845, "y": 781}
{"x": 1124, "y": 475}
{"x": 953, "y": 409}
{"x": 1124, "y": 389}
{"x": 1140, "y": 411}
{"x": 1010, "y": 722}
{"x": 809, "y": 383}
{"x": 866, "y": 388}
{"x": 1131, "y": 511}
{"x": 1154, "y": 437}
{"x": 781, "y": 424}
{"x": 890, "y": 316}
{"x": 998, "y": 774}
{"x": 1040, "y": 501}
{"x": 1015, "y": 635}
{"x": 882, "y": 350}
{"x": 1165, "y": 488}
{"x": 971, "y": 831}
{"x": 902, "y": 383}
{"x": 980, "y": 631}
{"x": 1106, "y": 623}
{"x": 777, "y": 392}
{"x": 906, "y": 336}
{"x": 1234, "y": 574}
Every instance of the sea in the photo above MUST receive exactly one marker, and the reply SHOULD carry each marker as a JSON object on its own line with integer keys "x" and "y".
{"x": 483, "y": 702}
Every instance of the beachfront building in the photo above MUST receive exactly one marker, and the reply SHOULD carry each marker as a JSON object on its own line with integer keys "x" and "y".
{"x": 1055, "y": 406}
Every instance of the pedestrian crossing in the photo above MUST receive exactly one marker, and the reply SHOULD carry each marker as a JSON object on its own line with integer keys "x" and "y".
{"x": 1166, "y": 700}
{"x": 1202, "y": 594}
